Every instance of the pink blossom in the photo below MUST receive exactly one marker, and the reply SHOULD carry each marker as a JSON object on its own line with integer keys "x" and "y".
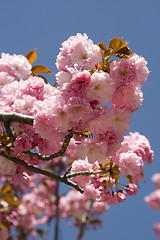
{"x": 43, "y": 125}
{"x": 81, "y": 165}
{"x": 92, "y": 149}
{"x": 24, "y": 105}
{"x": 7, "y": 167}
{"x": 101, "y": 87}
{"x": 130, "y": 97}
{"x": 112, "y": 199}
{"x": 8, "y": 95}
{"x": 33, "y": 86}
{"x": 73, "y": 202}
{"x": 156, "y": 179}
{"x": 141, "y": 69}
{"x": 51, "y": 145}
{"x": 18, "y": 64}
{"x": 78, "y": 109}
{"x": 63, "y": 77}
{"x": 122, "y": 72}
{"x": 153, "y": 200}
{"x": 86, "y": 54}
{"x": 100, "y": 122}
{"x": 80, "y": 50}
{"x": 5, "y": 78}
{"x": 100, "y": 207}
{"x": 138, "y": 144}
{"x": 4, "y": 233}
{"x": 121, "y": 196}
{"x": 156, "y": 229}
{"x": 132, "y": 189}
{"x": 130, "y": 164}
{"x": 113, "y": 140}
{"x": 80, "y": 81}
{"x": 120, "y": 119}
{"x": 91, "y": 192}
{"x": 23, "y": 143}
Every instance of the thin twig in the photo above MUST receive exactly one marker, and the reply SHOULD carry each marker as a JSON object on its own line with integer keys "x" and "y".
{"x": 45, "y": 232}
{"x": 86, "y": 173}
{"x": 57, "y": 208}
{"x": 8, "y": 131}
{"x": 84, "y": 221}
{"x": 55, "y": 155}
{"x": 67, "y": 171}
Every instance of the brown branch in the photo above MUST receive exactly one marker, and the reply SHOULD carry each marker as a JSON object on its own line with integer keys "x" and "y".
{"x": 43, "y": 172}
{"x": 55, "y": 155}
{"x": 67, "y": 171}
{"x": 84, "y": 221}
{"x": 16, "y": 117}
{"x": 8, "y": 131}
{"x": 86, "y": 173}
{"x": 56, "y": 228}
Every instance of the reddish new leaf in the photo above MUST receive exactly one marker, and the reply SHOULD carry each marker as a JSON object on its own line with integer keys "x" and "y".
{"x": 32, "y": 56}
{"x": 102, "y": 46}
{"x": 119, "y": 47}
{"x": 41, "y": 69}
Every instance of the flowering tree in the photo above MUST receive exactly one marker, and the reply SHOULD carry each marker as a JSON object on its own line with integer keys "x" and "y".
{"x": 70, "y": 132}
{"x": 153, "y": 200}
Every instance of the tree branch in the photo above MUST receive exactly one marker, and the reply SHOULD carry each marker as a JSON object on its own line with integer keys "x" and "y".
{"x": 56, "y": 228}
{"x": 16, "y": 117}
{"x": 46, "y": 173}
{"x": 86, "y": 173}
{"x": 8, "y": 131}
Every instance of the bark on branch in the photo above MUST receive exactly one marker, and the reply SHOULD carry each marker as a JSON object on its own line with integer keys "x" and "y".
{"x": 41, "y": 171}
{"x": 16, "y": 117}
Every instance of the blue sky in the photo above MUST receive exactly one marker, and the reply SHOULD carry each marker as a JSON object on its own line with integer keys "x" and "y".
{"x": 45, "y": 24}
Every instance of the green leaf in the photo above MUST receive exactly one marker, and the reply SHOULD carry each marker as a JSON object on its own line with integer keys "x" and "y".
{"x": 32, "y": 56}
{"x": 41, "y": 69}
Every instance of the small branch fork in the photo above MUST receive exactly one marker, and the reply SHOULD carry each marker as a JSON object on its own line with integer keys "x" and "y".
{"x": 64, "y": 178}
{"x": 6, "y": 118}
{"x": 41, "y": 171}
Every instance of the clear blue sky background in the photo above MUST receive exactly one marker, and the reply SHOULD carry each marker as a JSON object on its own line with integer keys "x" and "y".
{"x": 45, "y": 24}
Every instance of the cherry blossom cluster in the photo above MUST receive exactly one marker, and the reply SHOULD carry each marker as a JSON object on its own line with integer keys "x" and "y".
{"x": 77, "y": 126}
{"x": 153, "y": 200}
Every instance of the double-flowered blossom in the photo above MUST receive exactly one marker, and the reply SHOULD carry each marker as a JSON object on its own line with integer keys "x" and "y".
{"x": 17, "y": 65}
{"x": 135, "y": 148}
{"x": 78, "y": 50}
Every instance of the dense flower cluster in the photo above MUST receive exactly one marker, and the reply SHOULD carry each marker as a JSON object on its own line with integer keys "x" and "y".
{"x": 94, "y": 99}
